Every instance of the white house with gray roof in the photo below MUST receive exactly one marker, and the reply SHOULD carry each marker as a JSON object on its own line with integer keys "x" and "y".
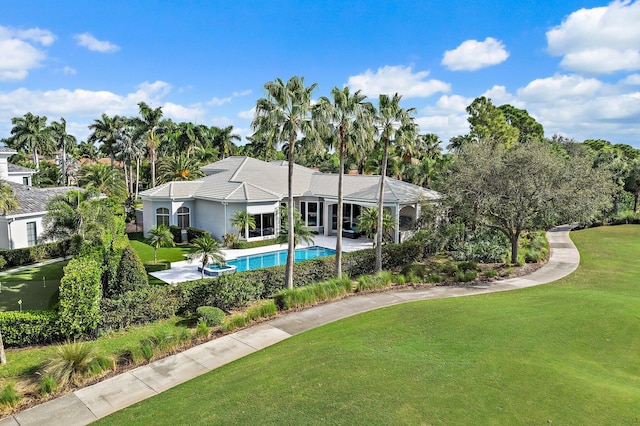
{"x": 258, "y": 187}
{"x": 23, "y": 227}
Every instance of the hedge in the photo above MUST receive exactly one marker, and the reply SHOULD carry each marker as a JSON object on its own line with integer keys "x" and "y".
{"x": 33, "y": 254}
{"x": 176, "y": 231}
{"x": 161, "y": 265}
{"x": 254, "y": 244}
{"x": 193, "y": 233}
{"x": 226, "y": 292}
{"x": 29, "y": 328}
{"x": 138, "y": 307}
{"x": 80, "y": 294}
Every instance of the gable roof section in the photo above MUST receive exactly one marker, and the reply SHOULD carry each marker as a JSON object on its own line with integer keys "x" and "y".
{"x": 14, "y": 168}
{"x": 175, "y": 189}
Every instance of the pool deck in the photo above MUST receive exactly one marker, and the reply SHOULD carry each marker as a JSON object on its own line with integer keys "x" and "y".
{"x": 188, "y": 271}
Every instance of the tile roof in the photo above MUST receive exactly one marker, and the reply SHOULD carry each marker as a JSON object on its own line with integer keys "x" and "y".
{"x": 250, "y": 179}
{"x": 14, "y": 168}
{"x": 34, "y": 200}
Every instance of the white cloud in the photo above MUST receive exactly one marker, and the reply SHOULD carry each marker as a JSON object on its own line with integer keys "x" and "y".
{"x": 18, "y": 55}
{"x": 193, "y": 113}
{"x": 242, "y": 93}
{"x": 599, "y": 40}
{"x": 500, "y": 96}
{"x": 90, "y": 42}
{"x": 559, "y": 87}
{"x": 473, "y": 55}
{"x": 219, "y": 101}
{"x": 247, "y": 114}
{"x": 69, "y": 70}
{"x": 632, "y": 80}
{"x": 397, "y": 79}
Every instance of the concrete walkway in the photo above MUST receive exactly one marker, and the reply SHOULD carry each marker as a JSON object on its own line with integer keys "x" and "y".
{"x": 91, "y": 403}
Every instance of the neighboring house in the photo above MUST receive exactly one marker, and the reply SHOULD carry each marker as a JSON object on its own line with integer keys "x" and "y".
{"x": 23, "y": 227}
{"x": 258, "y": 187}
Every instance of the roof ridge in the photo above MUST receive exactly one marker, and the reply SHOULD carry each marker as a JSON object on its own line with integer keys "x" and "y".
{"x": 232, "y": 178}
{"x": 264, "y": 189}
{"x": 391, "y": 187}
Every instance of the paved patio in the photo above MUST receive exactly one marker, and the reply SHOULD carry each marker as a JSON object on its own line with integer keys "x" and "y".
{"x": 188, "y": 271}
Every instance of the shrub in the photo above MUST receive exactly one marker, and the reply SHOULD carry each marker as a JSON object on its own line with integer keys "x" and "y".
{"x": 229, "y": 240}
{"x": 33, "y": 254}
{"x": 484, "y": 245}
{"x": 233, "y": 322}
{"x": 400, "y": 279}
{"x": 226, "y": 292}
{"x": 262, "y": 309}
{"x": 449, "y": 268}
{"x": 29, "y": 328}
{"x": 466, "y": 276}
{"x": 211, "y": 315}
{"x": 202, "y": 329}
{"x": 80, "y": 294}
{"x": 416, "y": 269}
{"x": 434, "y": 278}
{"x": 382, "y": 279}
{"x": 161, "y": 265}
{"x": 193, "y": 233}
{"x": 3, "y": 262}
{"x": 138, "y": 307}
{"x": 130, "y": 275}
{"x": 468, "y": 266}
{"x": 111, "y": 259}
{"x": 48, "y": 384}
{"x": 491, "y": 273}
{"x": 176, "y": 231}
{"x": 70, "y": 363}
{"x": 534, "y": 247}
{"x": 9, "y": 397}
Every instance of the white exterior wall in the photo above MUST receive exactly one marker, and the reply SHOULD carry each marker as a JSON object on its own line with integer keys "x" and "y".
{"x": 210, "y": 215}
{"x": 13, "y": 233}
{"x": 18, "y": 178}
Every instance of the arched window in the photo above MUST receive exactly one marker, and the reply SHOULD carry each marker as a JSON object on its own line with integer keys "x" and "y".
{"x": 184, "y": 217}
{"x": 162, "y": 216}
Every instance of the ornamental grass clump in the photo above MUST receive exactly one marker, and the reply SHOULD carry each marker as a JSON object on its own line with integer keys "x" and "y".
{"x": 71, "y": 362}
{"x": 48, "y": 384}
{"x": 9, "y": 396}
{"x": 380, "y": 280}
{"x": 262, "y": 309}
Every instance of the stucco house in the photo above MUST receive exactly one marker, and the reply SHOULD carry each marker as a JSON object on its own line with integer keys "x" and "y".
{"x": 258, "y": 187}
{"x": 23, "y": 227}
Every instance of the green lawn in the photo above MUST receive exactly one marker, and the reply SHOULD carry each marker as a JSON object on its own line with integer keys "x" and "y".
{"x": 28, "y": 286}
{"x": 563, "y": 353}
{"x": 172, "y": 254}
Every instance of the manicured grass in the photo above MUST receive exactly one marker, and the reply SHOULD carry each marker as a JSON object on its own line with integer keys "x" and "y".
{"x": 172, "y": 254}
{"x": 28, "y": 286}
{"x": 562, "y": 353}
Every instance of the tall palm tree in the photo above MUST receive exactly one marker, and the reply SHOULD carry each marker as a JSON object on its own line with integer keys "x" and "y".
{"x": 395, "y": 125}
{"x": 243, "y": 220}
{"x": 150, "y": 126}
{"x": 207, "y": 250}
{"x": 179, "y": 168}
{"x": 8, "y": 204}
{"x": 129, "y": 148}
{"x": 64, "y": 216}
{"x": 87, "y": 150}
{"x": 105, "y": 130}
{"x": 223, "y": 140}
{"x": 103, "y": 178}
{"x": 31, "y": 133}
{"x": 64, "y": 142}
{"x": 281, "y": 117}
{"x": 344, "y": 121}
{"x": 159, "y": 236}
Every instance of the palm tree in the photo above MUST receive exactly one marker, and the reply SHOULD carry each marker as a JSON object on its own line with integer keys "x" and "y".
{"x": 301, "y": 232}
{"x": 344, "y": 122}
{"x": 208, "y": 251}
{"x": 281, "y": 117}
{"x": 31, "y": 133}
{"x": 179, "y": 168}
{"x": 87, "y": 150}
{"x": 105, "y": 131}
{"x": 103, "y": 178}
{"x": 149, "y": 125}
{"x": 8, "y": 204}
{"x": 223, "y": 140}
{"x": 242, "y": 220}
{"x": 368, "y": 223}
{"x": 395, "y": 126}
{"x": 159, "y": 236}
{"x": 129, "y": 148}
{"x": 63, "y": 141}
{"x": 64, "y": 216}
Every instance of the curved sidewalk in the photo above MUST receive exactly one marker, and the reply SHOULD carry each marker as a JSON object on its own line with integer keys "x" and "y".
{"x": 94, "y": 402}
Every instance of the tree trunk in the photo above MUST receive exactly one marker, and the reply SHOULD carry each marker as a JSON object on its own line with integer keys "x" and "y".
{"x": 64, "y": 163}
{"x": 514, "y": 237}
{"x": 36, "y": 161}
{"x": 3, "y": 357}
{"x": 340, "y": 209}
{"x": 288, "y": 276}
{"x": 379, "y": 230}
{"x": 152, "y": 158}
{"x": 137, "y": 177}
{"x": 635, "y": 201}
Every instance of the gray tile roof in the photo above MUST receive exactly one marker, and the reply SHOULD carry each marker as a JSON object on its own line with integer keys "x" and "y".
{"x": 7, "y": 149}
{"x": 250, "y": 179}
{"x": 34, "y": 200}
{"x": 14, "y": 168}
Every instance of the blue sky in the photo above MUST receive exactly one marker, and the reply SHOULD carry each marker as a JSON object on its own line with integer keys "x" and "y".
{"x": 574, "y": 65}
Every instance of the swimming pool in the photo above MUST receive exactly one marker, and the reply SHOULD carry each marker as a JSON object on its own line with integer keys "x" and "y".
{"x": 274, "y": 258}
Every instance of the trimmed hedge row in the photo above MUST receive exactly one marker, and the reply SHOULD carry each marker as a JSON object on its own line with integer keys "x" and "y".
{"x": 33, "y": 254}
{"x": 29, "y": 328}
{"x": 138, "y": 307}
{"x": 193, "y": 233}
{"x": 161, "y": 265}
{"x": 254, "y": 244}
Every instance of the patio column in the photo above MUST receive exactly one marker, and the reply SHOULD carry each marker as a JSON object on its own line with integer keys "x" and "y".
{"x": 326, "y": 219}
{"x": 396, "y": 237}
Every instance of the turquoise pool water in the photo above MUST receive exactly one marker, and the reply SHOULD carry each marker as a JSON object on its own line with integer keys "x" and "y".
{"x": 274, "y": 258}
